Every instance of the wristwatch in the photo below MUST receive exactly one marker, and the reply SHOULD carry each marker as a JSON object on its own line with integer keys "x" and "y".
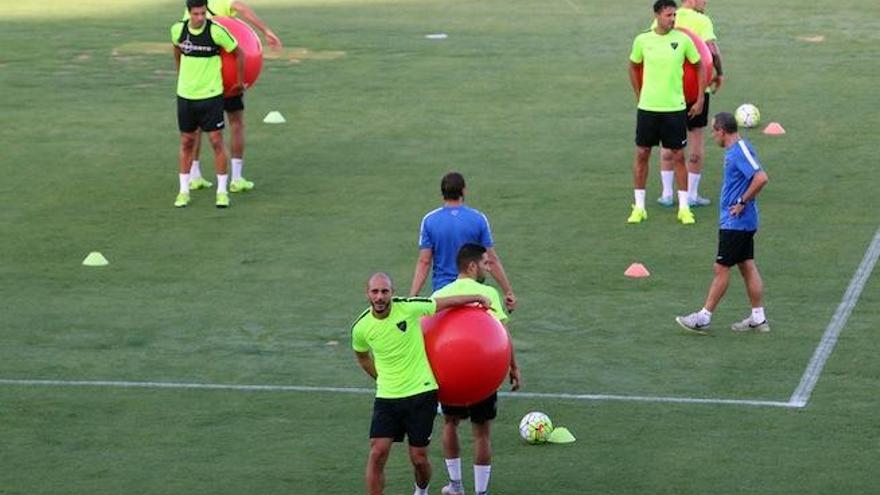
{"x": 740, "y": 201}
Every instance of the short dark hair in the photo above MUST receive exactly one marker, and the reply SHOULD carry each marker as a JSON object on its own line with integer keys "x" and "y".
{"x": 725, "y": 121}
{"x": 469, "y": 253}
{"x": 191, "y": 4}
{"x": 452, "y": 186}
{"x": 659, "y": 5}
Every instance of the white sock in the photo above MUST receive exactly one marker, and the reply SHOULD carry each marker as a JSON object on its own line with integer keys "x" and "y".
{"x": 420, "y": 491}
{"x": 221, "y": 183}
{"x": 195, "y": 172}
{"x": 453, "y": 467}
{"x": 693, "y": 185}
{"x": 237, "y": 165}
{"x": 666, "y": 178}
{"x": 683, "y": 200}
{"x": 639, "y": 195}
{"x": 705, "y": 313}
{"x": 758, "y": 315}
{"x": 481, "y": 478}
{"x": 184, "y": 183}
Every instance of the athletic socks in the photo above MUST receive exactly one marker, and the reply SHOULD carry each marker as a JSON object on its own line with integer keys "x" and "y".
{"x": 683, "y": 200}
{"x": 758, "y": 315}
{"x": 693, "y": 185}
{"x": 420, "y": 491}
{"x": 639, "y": 195}
{"x": 237, "y": 165}
{"x": 184, "y": 183}
{"x": 222, "y": 180}
{"x": 195, "y": 172}
{"x": 481, "y": 478}
{"x": 666, "y": 178}
{"x": 453, "y": 467}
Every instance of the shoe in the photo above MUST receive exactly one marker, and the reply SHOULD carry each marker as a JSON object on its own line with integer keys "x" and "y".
{"x": 686, "y": 216}
{"x": 222, "y": 200}
{"x": 747, "y": 326}
{"x": 449, "y": 490}
{"x": 638, "y": 215}
{"x": 699, "y": 201}
{"x": 182, "y": 200}
{"x": 665, "y": 201}
{"x": 199, "y": 183}
{"x": 240, "y": 185}
{"x": 693, "y": 323}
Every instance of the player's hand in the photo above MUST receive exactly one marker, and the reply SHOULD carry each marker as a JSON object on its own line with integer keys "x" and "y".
{"x": 716, "y": 83}
{"x": 509, "y": 301}
{"x": 736, "y": 210}
{"x": 515, "y": 379}
{"x": 483, "y": 301}
{"x": 273, "y": 40}
{"x": 238, "y": 88}
{"x": 697, "y": 107}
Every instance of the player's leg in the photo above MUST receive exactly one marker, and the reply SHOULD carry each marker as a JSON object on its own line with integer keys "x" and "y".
{"x": 213, "y": 124}
{"x": 674, "y": 140}
{"x": 234, "y": 107}
{"x": 188, "y": 124}
{"x": 386, "y": 427}
{"x": 695, "y": 153}
{"x": 647, "y": 136}
{"x": 419, "y": 417}
{"x": 452, "y": 449}
{"x": 375, "y": 475}
{"x": 482, "y": 415}
{"x": 667, "y": 177}
{"x": 196, "y": 181}
{"x": 754, "y": 288}
{"x": 728, "y": 253}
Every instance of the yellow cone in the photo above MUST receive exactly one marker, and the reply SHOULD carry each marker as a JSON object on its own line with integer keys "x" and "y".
{"x": 560, "y": 434}
{"x": 95, "y": 259}
{"x": 274, "y": 117}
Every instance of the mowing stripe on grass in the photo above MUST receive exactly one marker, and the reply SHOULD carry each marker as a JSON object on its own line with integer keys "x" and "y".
{"x": 297, "y": 388}
{"x": 801, "y": 395}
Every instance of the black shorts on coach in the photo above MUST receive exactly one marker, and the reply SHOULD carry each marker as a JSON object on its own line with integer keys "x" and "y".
{"x": 412, "y": 416}
{"x": 701, "y": 120}
{"x": 735, "y": 246}
{"x": 206, "y": 114}
{"x": 234, "y": 103}
{"x": 480, "y": 412}
{"x": 668, "y": 128}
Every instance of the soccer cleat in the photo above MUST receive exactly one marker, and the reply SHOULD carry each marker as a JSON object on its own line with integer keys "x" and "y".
{"x": 699, "y": 201}
{"x": 665, "y": 201}
{"x": 450, "y": 490}
{"x": 747, "y": 326}
{"x": 638, "y": 215}
{"x": 199, "y": 183}
{"x": 694, "y": 323}
{"x": 182, "y": 200}
{"x": 686, "y": 216}
{"x": 240, "y": 185}
{"x": 222, "y": 200}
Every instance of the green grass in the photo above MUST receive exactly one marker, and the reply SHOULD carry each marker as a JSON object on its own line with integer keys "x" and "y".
{"x": 528, "y": 99}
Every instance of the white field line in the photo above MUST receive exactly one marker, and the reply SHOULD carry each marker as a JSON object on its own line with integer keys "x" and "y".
{"x": 573, "y": 6}
{"x": 296, "y": 388}
{"x": 801, "y": 395}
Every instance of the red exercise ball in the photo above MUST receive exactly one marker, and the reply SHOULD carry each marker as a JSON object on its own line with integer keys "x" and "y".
{"x": 689, "y": 79}
{"x": 469, "y": 351}
{"x": 250, "y": 46}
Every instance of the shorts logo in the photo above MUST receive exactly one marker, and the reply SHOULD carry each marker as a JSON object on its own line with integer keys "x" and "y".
{"x": 402, "y": 326}
{"x": 674, "y": 45}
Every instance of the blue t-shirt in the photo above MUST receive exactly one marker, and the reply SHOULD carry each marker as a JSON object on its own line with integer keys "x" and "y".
{"x": 740, "y": 165}
{"x": 444, "y": 231}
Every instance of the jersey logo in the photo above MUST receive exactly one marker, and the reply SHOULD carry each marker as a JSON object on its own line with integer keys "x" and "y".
{"x": 674, "y": 45}
{"x": 401, "y": 326}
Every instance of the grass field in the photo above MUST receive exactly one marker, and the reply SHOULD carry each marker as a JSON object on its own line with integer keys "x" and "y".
{"x": 530, "y": 100}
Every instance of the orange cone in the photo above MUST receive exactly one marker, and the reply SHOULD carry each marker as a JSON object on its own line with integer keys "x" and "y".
{"x": 636, "y": 270}
{"x": 774, "y": 129}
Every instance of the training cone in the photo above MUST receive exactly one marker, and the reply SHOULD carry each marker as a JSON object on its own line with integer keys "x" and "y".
{"x": 95, "y": 259}
{"x": 774, "y": 129}
{"x": 274, "y": 117}
{"x": 560, "y": 434}
{"x": 636, "y": 270}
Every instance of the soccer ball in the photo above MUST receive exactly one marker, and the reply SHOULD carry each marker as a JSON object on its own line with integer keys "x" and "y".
{"x": 747, "y": 115}
{"x": 535, "y": 428}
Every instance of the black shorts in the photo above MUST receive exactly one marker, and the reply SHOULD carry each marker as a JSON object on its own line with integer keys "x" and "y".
{"x": 479, "y": 412}
{"x": 701, "y": 120}
{"x": 669, "y": 128}
{"x": 233, "y": 103}
{"x": 413, "y": 416}
{"x": 206, "y": 115}
{"x": 735, "y": 246}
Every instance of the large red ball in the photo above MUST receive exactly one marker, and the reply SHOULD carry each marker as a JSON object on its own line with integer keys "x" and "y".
{"x": 469, "y": 351}
{"x": 689, "y": 79}
{"x": 250, "y": 46}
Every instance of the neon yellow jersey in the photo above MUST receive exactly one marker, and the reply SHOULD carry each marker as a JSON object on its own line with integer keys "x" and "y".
{"x": 662, "y": 57}
{"x": 216, "y": 7}
{"x": 398, "y": 347}
{"x": 697, "y": 22}
{"x": 200, "y": 77}
{"x": 469, "y": 287}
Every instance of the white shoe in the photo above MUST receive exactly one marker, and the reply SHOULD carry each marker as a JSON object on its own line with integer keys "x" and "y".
{"x": 748, "y": 326}
{"x": 449, "y": 490}
{"x": 694, "y": 322}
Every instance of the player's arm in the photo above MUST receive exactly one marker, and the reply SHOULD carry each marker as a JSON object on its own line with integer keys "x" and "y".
{"x": 718, "y": 80}
{"x": 250, "y": 16}
{"x": 697, "y": 107}
{"x": 500, "y": 276}
{"x": 759, "y": 180}
{"x": 423, "y": 266}
{"x": 634, "y": 78}
{"x": 453, "y": 301}
{"x": 365, "y": 359}
{"x": 177, "y": 54}
{"x": 514, "y": 373}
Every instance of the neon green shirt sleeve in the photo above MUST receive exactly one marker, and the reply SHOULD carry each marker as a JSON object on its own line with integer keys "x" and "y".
{"x": 222, "y": 37}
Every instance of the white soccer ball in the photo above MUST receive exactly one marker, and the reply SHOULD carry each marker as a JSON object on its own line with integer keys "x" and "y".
{"x": 747, "y": 115}
{"x": 535, "y": 428}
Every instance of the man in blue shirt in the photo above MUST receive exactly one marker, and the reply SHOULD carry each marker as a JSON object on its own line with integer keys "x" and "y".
{"x": 444, "y": 231}
{"x": 743, "y": 180}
